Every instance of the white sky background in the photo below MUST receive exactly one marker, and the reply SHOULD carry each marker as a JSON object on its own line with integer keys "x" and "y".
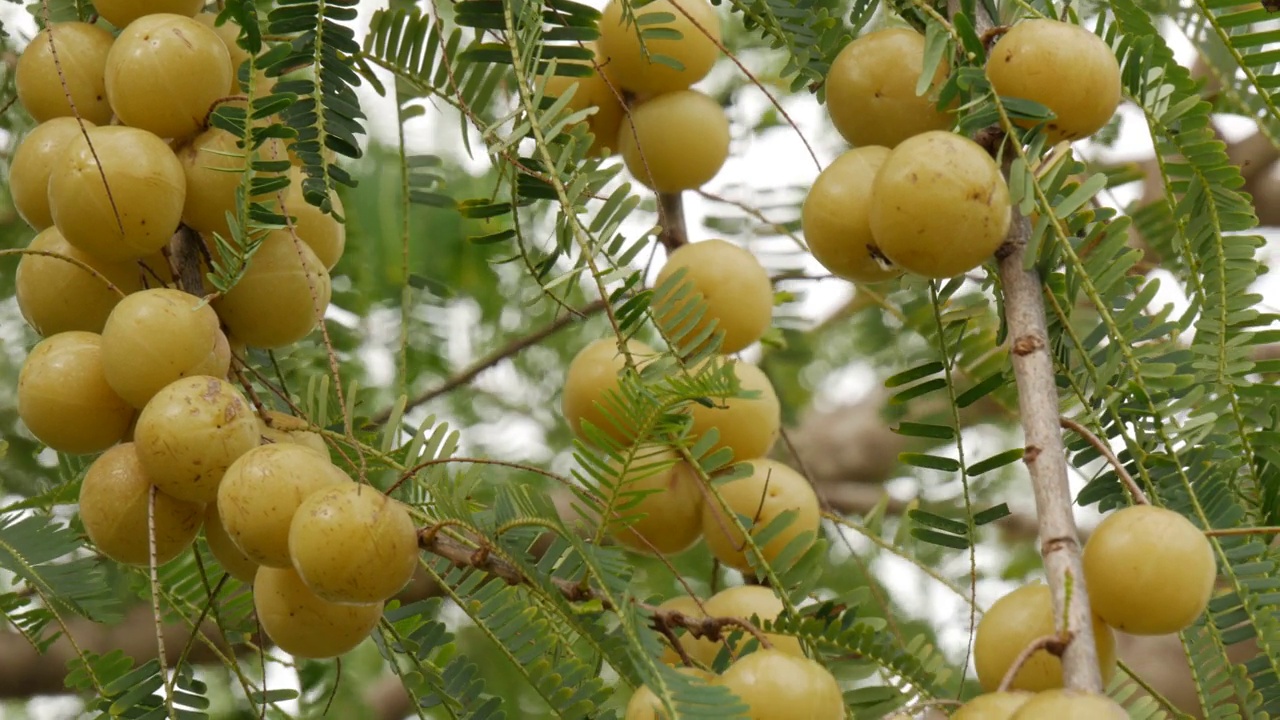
{"x": 757, "y": 165}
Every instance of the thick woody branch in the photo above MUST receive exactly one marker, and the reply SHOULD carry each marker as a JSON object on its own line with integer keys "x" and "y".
{"x": 671, "y": 215}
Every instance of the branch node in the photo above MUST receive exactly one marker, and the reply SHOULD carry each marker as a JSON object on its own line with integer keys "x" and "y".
{"x": 1026, "y": 344}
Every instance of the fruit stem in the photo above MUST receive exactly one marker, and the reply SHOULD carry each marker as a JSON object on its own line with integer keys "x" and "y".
{"x": 671, "y": 214}
{"x": 1130, "y": 484}
{"x": 184, "y": 260}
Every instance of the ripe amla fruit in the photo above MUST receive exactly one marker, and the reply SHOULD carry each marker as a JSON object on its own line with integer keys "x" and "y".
{"x": 726, "y": 283}
{"x": 64, "y": 398}
{"x": 871, "y": 89}
{"x": 31, "y": 165}
{"x": 744, "y": 602}
{"x": 81, "y": 62}
{"x": 1062, "y": 66}
{"x": 593, "y": 376}
{"x": 213, "y": 163}
{"x": 156, "y": 336}
{"x": 281, "y": 297}
{"x": 231, "y": 558}
{"x": 677, "y": 141}
{"x": 1019, "y": 619}
{"x": 645, "y": 705}
{"x": 749, "y": 426}
{"x": 56, "y": 296}
{"x": 779, "y": 686}
{"x": 122, "y": 12}
{"x": 632, "y": 66}
{"x": 770, "y": 490}
{"x": 1070, "y": 705}
{"x": 590, "y": 91}
{"x": 659, "y": 506}
{"x": 993, "y": 706}
{"x": 836, "y": 217}
{"x": 939, "y": 205}
{"x": 305, "y": 625}
{"x": 1149, "y": 570}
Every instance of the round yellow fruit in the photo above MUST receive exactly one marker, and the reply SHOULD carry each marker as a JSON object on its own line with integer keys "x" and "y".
{"x": 666, "y": 518}
{"x": 1013, "y": 623}
{"x": 691, "y": 607}
{"x": 770, "y": 490}
{"x": 871, "y": 89}
{"x": 213, "y": 164}
{"x": 321, "y": 231}
{"x": 229, "y": 33}
{"x": 64, "y": 398}
{"x": 747, "y": 426}
{"x": 278, "y": 427}
{"x": 164, "y": 73}
{"x": 1149, "y": 571}
{"x": 631, "y": 65}
{"x": 230, "y": 557}
{"x": 31, "y": 165}
{"x": 122, "y": 12}
{"x": 280, "y": 298}
{"x": 218, "y": 362}
{"x": 591, "y": 91}
{"x": 779, "y": 686}
{"x": 677, "y": 141}
{"x": 81, "y": 51}
{"x": 1070, "y": 705}
{"x": 744, "y": 601}
{"x": 143, "y": 206}
{"x": 153, "y": 338}
{"x": 304, "y": 625}
{"x": 836, "y": 217}
{"x": 993, "y": 706}
{"x": 939, "y": 205}
{"x": 592, "y": 376}
{"x": 57, "y": 296}
{"x": 114, "y": 505}
{"x": 1062, "y": 66}
{"x": 352, "y": 544}
{"x": 645, "y": 705}
{"x": 723, "y": 281}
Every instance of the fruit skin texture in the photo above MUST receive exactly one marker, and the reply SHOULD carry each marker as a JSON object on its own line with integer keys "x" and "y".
{"x": 191, "y": 432}
{"x": 671, "y": 504}
{"x": 592, "y": 374}
{"x": 1014, "y": 622}
{"x": 1062, "y": 66}
{"x": 114, "y": 500}
{"x": 122, "y": 12}
{"x": 770, "y": 490}
{"x": 82, "y": 55}
{"x": 147, "y": 190}
{"x": 836, "y": 216}
{"x": 230, "y": 557}
{"x": 304, "y": 625}
{"x": 1070, "y": 705}
{"x": 153, "y": 338}
{"x": 262, "y": 490}
{"x": 352, "y": 544}
{"x": 731, "y": 284}
{"x": 939, "y": 205}
{"x": 645, "y": 705}
{"x": 778, "y": 686}
{"x": 64, "y": 399}
{"x": 625, "y": 60}
{"x": 743, "y": 601}
{"x": 164, "y": 73}
{"x": 213, "y": 163}
{"x": 1149, "y": 571}
{"x": 748, "y": 426}
{"x": 56, "y": 296}
{"x": 591, "y": 91}
{"x": 871, "y": 89}
{"x": 31, "y": 165}
{"x": 993, "y": 706}
{"x": 677, "y": 141}
{"x": 281, "y": 297}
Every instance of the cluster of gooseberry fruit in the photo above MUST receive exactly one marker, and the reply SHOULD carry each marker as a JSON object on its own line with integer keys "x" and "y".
{"x": 135, "y": 366}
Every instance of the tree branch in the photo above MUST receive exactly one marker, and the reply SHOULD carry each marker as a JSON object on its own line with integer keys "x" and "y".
{"x": 671, "y": 214}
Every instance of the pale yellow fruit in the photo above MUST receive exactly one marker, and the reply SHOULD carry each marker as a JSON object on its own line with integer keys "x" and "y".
{"x": 122, "y": 12}
{"x": 871, "y": 89}
{"x": 136, "y": 212}
{"x": 631, "y": 64}
{"x": 726, "y": 283}
{"x": 778, "y": 686}
{"x": 667, "y": 519}
{"x": 64, "y": 398}
{"x": 770, "y": 490}
{"x": 229, "y": 33}
{"x": 218, "y": 362}
{"x": 1062, "y": 66}
{"x": 33, "y": 162}
{"x": 213, "y": 164}
{"x": 1149, "y": 571}
{"x": 591, "y": 91}
{"x": 836, "y": 217}
{"x": 321, "y": 231}
{"x": 81, "y": 51}
{"x": 164, "y": 73}
{"x": 592, "y": 376}
{"x": 939, "y": 205}
{"x": 747, "y": 426}
{"x": 677, "y": 141}
{"x": 280, "y": 298}
{"x": 645, "y": 705}
{"x": 56, "y": 296}
{"x": 153, "y": 338}
{"x": 743, "y": 602}
{"x": 230, "y": 557}
{"x": 689, "y": 606}
{"x": 1014, "y": 622}
{"x": 993, "y": 706}
{"x": 115, "y": 501}
{"x": 304, "y": 625}
{"x": 284, "y": 428}
{"x": 1070, "y": 705}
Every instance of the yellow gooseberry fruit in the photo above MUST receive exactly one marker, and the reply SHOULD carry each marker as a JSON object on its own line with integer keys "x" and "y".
{"x": 666, "y": 518}
{"x": 321, "y": 231}
{"x": 726, "y": 283}
{"x": 304, "y": 625}
{"x": 780, "y": 686}
{"x": 591, "y": 91}
{"x": 677, "y": 141}
{"x": 836, "y": 217}
{"x": 191, "y": 432}
{"x": 218, "y": 362}
{"x": 56, "y": 296}
{"x": 1062, "y": 66}
{"x": 153, "y": 338}
{"x": 213, "y": 164}
{"x": 165, "y": 72}
{"x": 1149, "y": 571}
{"x": 31, "y": 165}
{"x": 262, "y": 490}
{"x": 376, "y": 539}
{"x": 115, "y": 500}
{"x": 743, "y": 602}
{"x": 690, "y": 607}
{"x": 939, "y": 205}
{"x": 1014, "y": 622}
{"x": 122, "y": 12}
{"x": 633, "y": 66}
{"x": 280, "y": 298}
{"x": 993, "y": 706}
{"x": 770, "y": 490}
{"x": 229, "y": 33}
{"x": 747, "y": 426}
{"x": 81, "y": 62}
{"x": 278, "y": 427}
{"x": 871, "y": 89}
{"x": 135, "y": 213}
{"x": 645, "y": 705}
{"x": 230, "y": 557}
{"x": 592, "y": 376}
{"x": 64, "y": 398}
{"x": 1070, "y": 705}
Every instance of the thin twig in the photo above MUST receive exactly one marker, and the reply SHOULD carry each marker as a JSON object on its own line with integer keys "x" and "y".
{"x": 1053, "y": 644}
{"x": 1223, "y": 532}
{"x": 1130, "y": 484}
{"x": 674, "y": 233}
